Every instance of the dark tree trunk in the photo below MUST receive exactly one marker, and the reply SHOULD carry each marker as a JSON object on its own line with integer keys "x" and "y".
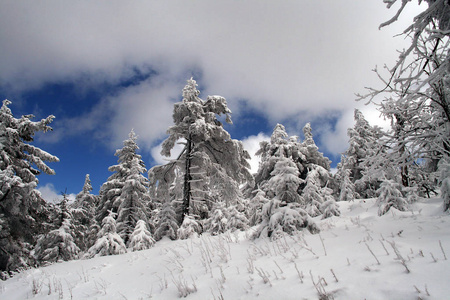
{"x": 187, "y": 180}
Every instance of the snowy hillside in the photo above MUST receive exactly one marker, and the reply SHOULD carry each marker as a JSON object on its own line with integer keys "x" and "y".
{"x": 401, "y": 255}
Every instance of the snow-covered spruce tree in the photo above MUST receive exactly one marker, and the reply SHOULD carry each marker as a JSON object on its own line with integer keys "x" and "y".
{"x": 286, "y": 168}
{"x": 134, "y": 201}
{"x": 141, "y": 238}
{"x": 285, "y": 180}
{"x": 189, "y": 228}
{"x": 167, "y": 223}
{"x": 270, "y": 152}
{"x": 22, "y": 210}
{"x": 211, "y": 163}
{"x": 58, "y": 244}
{"x": 112, "y": 188}
{"x": 83, "y": 211}
{"x": 363, "y": 145}
{"x": 279, "y": 218}
{"x": 237, "y": 220}
{"x": 126, "y": 184}
{"x": 346, "y": 186}
{"x": 108, "y": 241}
{"x": 255, "y": 205}
{"x": 316, "y": 168}
{"x": 390, "y": 195}
{"x": 225, "y": 218}
{"x": 315, "y": 193}
{"x": 416, "y": 92}
{"x": 329, "y": 207}
{"x": 217, "y": 222}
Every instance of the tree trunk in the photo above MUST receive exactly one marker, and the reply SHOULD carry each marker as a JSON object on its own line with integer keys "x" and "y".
{"x": 187, "y": 180}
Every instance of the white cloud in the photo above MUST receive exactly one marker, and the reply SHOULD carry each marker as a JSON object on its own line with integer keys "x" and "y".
{"x": 162, "y": 160}
{"x": 251, "y": 144}
{"x": 283, "y": 58}
{"x": 49, "y": 194}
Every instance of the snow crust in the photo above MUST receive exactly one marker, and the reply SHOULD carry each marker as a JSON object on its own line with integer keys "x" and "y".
{"x": 359, "y": 255}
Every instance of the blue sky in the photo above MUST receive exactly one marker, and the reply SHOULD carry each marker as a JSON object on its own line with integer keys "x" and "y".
{"x": 103, "y": 68}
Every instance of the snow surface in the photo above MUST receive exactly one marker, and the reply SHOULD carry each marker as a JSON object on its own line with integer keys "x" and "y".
{"x": 358, "y": 247}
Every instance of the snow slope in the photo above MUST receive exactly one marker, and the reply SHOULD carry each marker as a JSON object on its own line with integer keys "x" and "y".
{"x": 359, "y": 255}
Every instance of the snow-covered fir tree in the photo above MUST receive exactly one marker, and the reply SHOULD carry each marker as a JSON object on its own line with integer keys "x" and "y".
{"x": 167, "y": 223}
{"x": 22, "y": 209}
{"x": 112, "y": 189}
{"x": 83, "y": 211}
{"x": 390, "y": 195}
{"x": 218, "y": 221}
{"x": 134, "y": 201}
{"x": 270, "y": 152}
{"x": 285, "y": 181}
{"x": 363, "y": 146}
{"x": 108, "y": 241}
{"x": 254, "y": 207}
{"x": 313, "y": 194}
{"x": 329, "y": 207}
{"x": 346, "y": 186}
{"x": 189, "y": 228}
{"x": 126, "y": 191}
{"x": 237, "y": 220}
{"x": 58, "y": 244}
{"x": 211, "y": 165}
{"x": 141, "y": 238}
{"x": 294, "y": 173}
{"x": 279, "y": 218}
{"x": 225, "y": 218}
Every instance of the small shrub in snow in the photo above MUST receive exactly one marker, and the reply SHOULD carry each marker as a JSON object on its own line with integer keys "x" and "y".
{"x": 141, "y": 238}
{"x": 254, "y": 212}
{"x": 189, "y": 228}
{"x": 389, "y": 195}
{"x": 236, "y": 219}
{"x": 347, "y": 187}
{"x": 217, "y": 222}
{"x": 167, "y": 224}
{"x": 411, "y": 193}
{"x": 329, "y": 208}
{"x": 225, "y": 218}
{"x": 280, "y": 218}
{"x": 108, "y": 242}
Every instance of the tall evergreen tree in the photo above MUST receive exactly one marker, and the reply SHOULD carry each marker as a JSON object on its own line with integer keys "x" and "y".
{"x": 212, "y": 164}
{"x": 134, "y": 201}
{"x": 22, "y": 209}
{"x": 83, "y": 211}
{"x": 293, "y": 175}
{"x": 362, "y": 154}
{"x": 127, "y": 175}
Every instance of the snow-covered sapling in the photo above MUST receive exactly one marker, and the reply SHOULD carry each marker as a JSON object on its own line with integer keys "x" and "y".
{"x": 189, "y": 228}
{"x": 108, "y": 242}
{"x": 389, "y": 195}
{"x": 141, "y": 238}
